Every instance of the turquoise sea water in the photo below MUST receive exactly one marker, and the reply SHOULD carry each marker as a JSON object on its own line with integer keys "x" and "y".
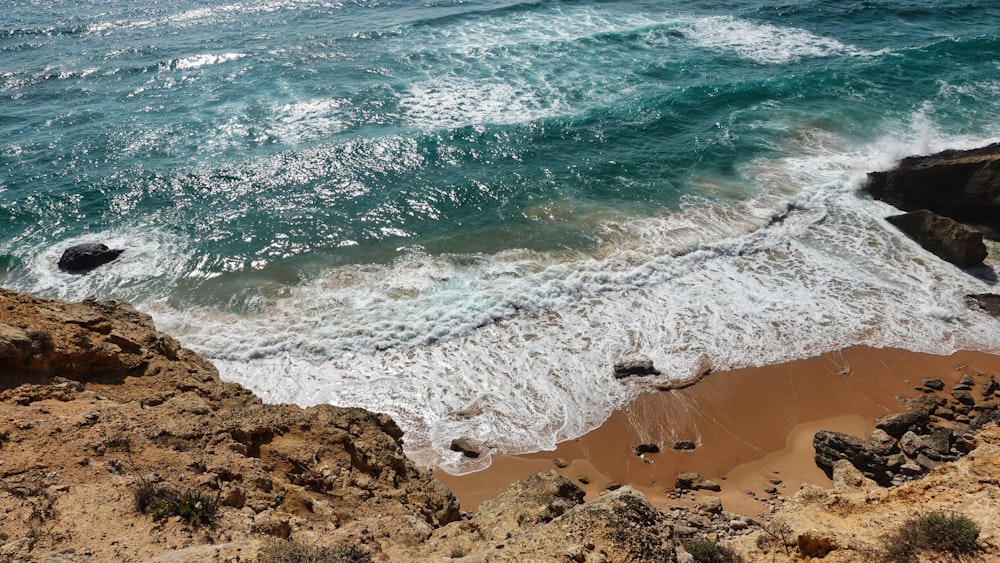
{"x": 441, "y": 206}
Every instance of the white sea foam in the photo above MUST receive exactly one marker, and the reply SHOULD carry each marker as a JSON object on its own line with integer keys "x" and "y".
{"x": 455, "y": 102}
{"x": 516, "y": 349}
{"x": 763, "y": 43}
{"x": 310, "y": 119}
{"x": 204, "y": 59}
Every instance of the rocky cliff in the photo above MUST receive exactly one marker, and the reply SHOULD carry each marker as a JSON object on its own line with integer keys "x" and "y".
{"x": 117, "y": 444}
{"x": 97, "y": 406}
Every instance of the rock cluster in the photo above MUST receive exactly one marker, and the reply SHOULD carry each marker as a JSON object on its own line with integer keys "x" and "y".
{"x": 962, "y": 185}
{"x": 544, "y": 518}
{"x": 952, "y": 197}
{"x": 935, "y": 428}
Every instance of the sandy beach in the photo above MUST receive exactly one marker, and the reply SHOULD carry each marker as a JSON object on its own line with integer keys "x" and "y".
{"x": 751, "y": 426}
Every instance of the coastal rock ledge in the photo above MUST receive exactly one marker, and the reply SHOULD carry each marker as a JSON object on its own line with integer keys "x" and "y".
{"x": 962, "y": 185}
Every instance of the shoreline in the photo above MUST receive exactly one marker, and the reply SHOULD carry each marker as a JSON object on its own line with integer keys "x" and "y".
{"x": 751, "y": 426}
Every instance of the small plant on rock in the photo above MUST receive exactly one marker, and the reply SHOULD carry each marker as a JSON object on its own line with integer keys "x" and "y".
{"x": 705, "y": 551}
{"x": 288, "y": 551}
{"x": 162, "y": 502}
{"x": 935, "y": 532}
{"x": 41, "y": 339}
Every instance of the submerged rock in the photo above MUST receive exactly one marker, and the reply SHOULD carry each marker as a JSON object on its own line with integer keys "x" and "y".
{"x": 82, "y": 258}
{"x": 684, "y": 445}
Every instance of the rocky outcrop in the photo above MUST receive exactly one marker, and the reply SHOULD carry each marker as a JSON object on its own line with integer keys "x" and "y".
{"x": 857, "y": 519}
{"x": 97, "y": 404}
{"x": 832, "y": 447}
{"x": 963, "y": 185}
{"x": 82, "y": 258}
{"x": 544, "y": 518}
{"x": 695, "y": 482}
{"x": 468, "y": 447}
{"x": 934, "y": 429}
{"x": 944, "y": 237}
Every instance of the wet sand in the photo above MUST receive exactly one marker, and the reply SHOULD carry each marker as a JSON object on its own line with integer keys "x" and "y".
{"x": 750, "y": 426}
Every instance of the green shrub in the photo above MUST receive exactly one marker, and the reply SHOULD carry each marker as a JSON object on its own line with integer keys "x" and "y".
{"x": 705, "y": 551}
{"x": 288, "y": 551}
{"x": 936, "y": 532}
{"x": 163, "y": 502}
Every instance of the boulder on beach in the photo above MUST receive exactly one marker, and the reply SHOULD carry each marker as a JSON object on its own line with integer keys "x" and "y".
{"x": 82, "y": 258}
{"x": 945, "y": 237}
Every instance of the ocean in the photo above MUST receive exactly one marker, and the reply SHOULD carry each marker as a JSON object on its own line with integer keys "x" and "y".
{"x": 463, "y": 212}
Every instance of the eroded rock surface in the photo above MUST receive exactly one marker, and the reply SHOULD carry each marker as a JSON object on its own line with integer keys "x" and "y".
{"x": 96, "y": 402}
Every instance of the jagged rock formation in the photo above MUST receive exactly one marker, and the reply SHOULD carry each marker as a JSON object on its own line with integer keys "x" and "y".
{"x": 963, "y": 185}
{"x": 934, "y": 429}
{"x": 96, "y": 402}
{"x": 857, "y": 516}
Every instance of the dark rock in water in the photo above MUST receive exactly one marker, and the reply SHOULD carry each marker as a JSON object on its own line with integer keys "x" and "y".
{"x": 898, "y": 424}
{"x": 946, "y": 238}
{"x": 832, "y": 447}
{"x": 82, "y": 258}
{"x": 963, "y": 185}
{"x": 466, "y": 446}
{"x": 989, "y": 303}
{"x": 646, "y": 449}
{"x": 632, "y": 368}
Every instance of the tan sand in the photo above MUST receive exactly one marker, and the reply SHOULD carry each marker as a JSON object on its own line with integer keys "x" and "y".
{"x": 751, "y": 425}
